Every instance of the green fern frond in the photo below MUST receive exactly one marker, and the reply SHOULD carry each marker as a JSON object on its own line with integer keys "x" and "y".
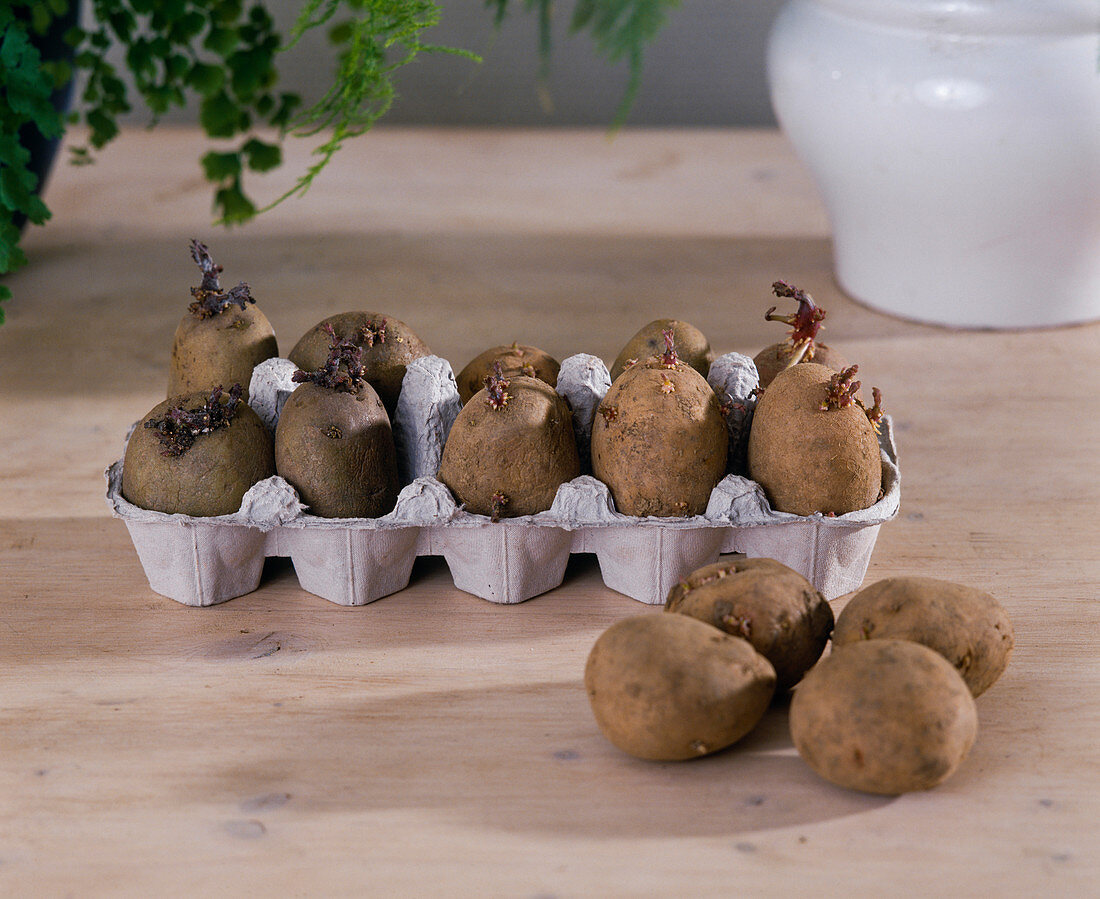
{"x": 380, "y": 37}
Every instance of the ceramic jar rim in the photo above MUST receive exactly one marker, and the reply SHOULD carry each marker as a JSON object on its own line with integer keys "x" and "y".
{"x": 975, "y": 17}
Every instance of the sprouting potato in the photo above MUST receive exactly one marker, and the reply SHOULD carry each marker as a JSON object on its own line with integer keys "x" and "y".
{"x": 510, "y": 448}
{"x": 388, "y": 346}
{"x": 801, "y": 344}
{"x": 334, "y": 443}
{"x": 515, "y": 360}
{"x": 197, "y": 454}
{"x": 813, "y": 445}
{"x": 691, "y": 345}
{"x": 659, "y": 439}
{"x": 223, "y": 336}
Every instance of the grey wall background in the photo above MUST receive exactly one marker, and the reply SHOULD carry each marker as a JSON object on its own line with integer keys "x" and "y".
{"x": 706, "y": 68}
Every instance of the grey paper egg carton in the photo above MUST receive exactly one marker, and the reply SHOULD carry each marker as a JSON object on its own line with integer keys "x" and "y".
{"x": 205, "y": 561}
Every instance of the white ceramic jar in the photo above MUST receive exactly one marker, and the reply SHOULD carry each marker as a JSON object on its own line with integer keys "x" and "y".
{"x": 956, "y": 145}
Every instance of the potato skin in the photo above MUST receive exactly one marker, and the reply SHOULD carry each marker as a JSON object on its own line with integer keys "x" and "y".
{"x": 772, "y": 606}
{"x": 337, "y": 450}
{"x": 692, "y": 346}
{"x": 384, "y": 363}
{"x": 809, "y": 460}
{"x": 219, "y": 351}
{"x": 669, "y": 687}
{"x": 883, "y": 716}
{"x": 771, "y": 360}
{"x": 525, "y": 450}
{"x": 660, "y": 451}
{"x": 515, "y": 360}
{"x": 211, "y": 477}
{"x": 967, "y": 626}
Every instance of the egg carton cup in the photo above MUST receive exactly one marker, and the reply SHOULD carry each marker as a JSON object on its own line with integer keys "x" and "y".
{"x": 206, "y": 561}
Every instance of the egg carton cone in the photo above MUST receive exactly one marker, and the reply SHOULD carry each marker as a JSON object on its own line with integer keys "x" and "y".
{"x": 352, "y": 562}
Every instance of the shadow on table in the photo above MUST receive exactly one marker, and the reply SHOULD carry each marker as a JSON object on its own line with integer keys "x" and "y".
{"x": 526, "y": 758}
{"x": 116, "y": 306}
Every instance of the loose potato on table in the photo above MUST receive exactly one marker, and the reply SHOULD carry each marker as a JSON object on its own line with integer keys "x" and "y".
{"x": 883, "y": 716}
{"x": 772, "y": 606}
{"x": 968, "y": 627}
{"x": 669, "y": 687}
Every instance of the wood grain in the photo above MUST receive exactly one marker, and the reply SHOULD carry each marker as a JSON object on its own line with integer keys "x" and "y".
{"x": 434, "y": 743}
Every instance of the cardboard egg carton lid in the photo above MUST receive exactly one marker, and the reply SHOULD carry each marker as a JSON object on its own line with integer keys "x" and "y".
{"x": 205, "y": 561}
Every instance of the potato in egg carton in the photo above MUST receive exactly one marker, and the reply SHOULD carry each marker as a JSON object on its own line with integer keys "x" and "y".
{"x": 205, "y": 561}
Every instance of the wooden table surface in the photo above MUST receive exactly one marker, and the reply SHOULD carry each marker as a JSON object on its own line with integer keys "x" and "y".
{"x": 435, "y": 743}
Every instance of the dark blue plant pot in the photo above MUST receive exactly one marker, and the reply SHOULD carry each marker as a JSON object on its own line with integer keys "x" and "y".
{"x": 43, "y": 150}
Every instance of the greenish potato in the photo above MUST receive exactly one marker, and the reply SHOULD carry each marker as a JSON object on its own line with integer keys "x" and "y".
{"x": 336, "y": 449}
{"x": 388, "y": 345}
{"x": 211, "y": 476}
{"x": 691, "y": 345}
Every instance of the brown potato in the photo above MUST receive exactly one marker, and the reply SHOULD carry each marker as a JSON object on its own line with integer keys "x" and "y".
{"x": 691, "y": 345}
{"x": 510, "y": 449}
{"x": 810, "y": 459}
{"x": 515, "y": 360}
{"x": 771, "y": 360}
{"x": 336, "y": 449}
{"x": 388, "y": 344}
{"x": 968, "y": 627}
{"x": 208, "y": 477}
{"x": 801, "y": 344}
{"x": 222, "y": 337}
{"x": 219, "y": 351}
{"x": 772, "y": 606}
{"x": 669, "y": 687}
{"x": 659, "y": 440}
{"x": 883, "y": 716}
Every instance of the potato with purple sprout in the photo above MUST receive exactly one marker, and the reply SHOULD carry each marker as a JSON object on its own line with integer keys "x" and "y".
{"x": 223, "y": 336}
{"x": 801, "y": 344}
{"x": 387, "y": 344}
{"x": 334, "y": 443}
{"x": 197, "y": 454}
